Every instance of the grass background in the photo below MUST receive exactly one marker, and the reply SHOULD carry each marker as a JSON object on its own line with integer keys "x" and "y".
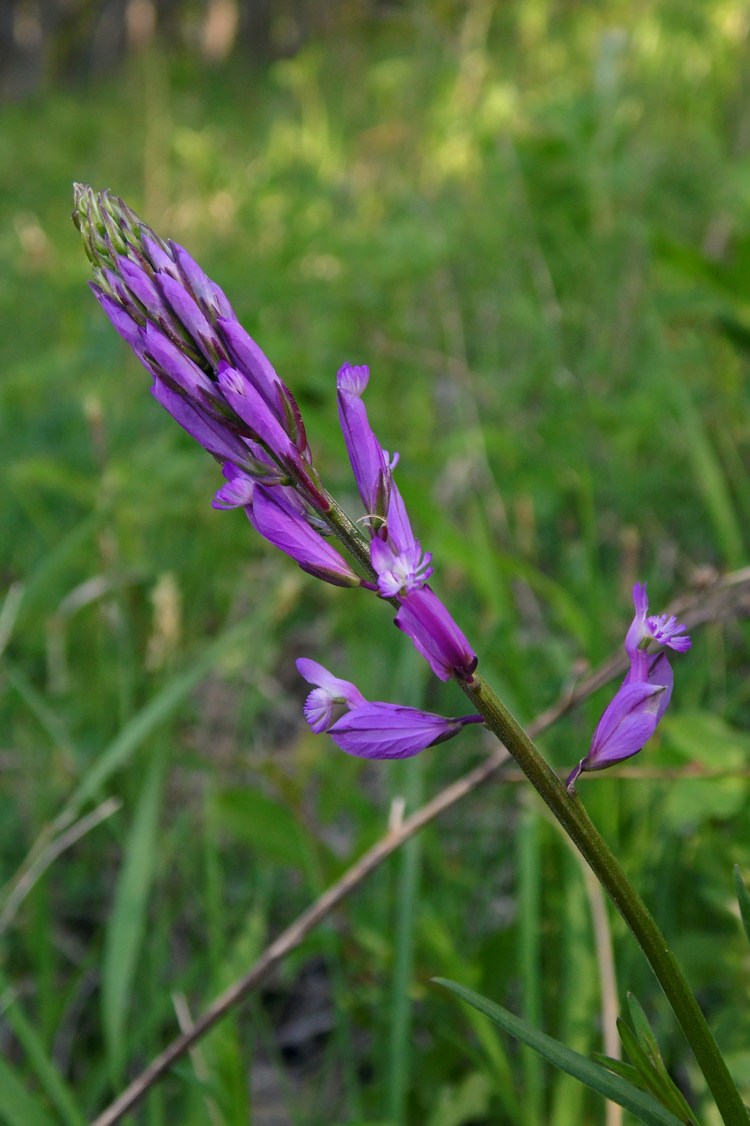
{"x": 533, "y": 221}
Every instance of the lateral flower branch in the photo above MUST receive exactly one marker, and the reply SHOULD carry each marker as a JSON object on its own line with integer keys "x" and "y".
{"x": 218, "y": 385}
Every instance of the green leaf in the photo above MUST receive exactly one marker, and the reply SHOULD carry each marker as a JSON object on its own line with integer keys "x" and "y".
{"x": 127, "y": 921}
{"x": 743, "y": 899}
{"x": 17, "y": 1106}
{"x": 643, "y": 1049}
{"x": 620, "y": 1067}
{"x": 643, "y": 1031}
{"x": 44, "y": 1068}
{"x": 640, "y": 1103}
{"x": 654, "y": 1077}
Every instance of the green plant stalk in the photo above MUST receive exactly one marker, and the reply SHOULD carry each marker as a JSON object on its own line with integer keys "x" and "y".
{"x": 350, "y": 535}
{"x": 572, "y": 816}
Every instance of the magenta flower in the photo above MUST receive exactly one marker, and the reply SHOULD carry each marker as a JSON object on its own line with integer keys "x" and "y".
{"x": 424, "y": 618}
{"x": 371, "y": 730}
{"x": 184, "y": 331}
{"x": 369, "y": 462}
{"x": 399, "y": 572}
{"x": 632, "y": 717}
{"x": 657, "y": 628}
{"x": 395, "y": 554}
{"x": 280, "y": 516}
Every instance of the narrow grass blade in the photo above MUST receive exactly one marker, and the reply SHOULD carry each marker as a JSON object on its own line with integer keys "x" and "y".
{"x": 643, "y": 1030}
{"x": 743, "y": 899}
{"x": 578, "y": 1010}
{"x": 127, "y": 923}
{"x": 639, "y": 1103}
{"x": 529, "y": 957}
{"x": 49, "y": 1078}
{"x": 710, "y": 479}
{"x": 17, "y": 1106}
{"x": 654, "y": 1075}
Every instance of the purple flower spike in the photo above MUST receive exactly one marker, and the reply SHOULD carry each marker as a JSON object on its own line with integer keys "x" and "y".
{"x": 182, "y": 328}
{"x": 424, "y": 618}
{"x": 371, "y": 730}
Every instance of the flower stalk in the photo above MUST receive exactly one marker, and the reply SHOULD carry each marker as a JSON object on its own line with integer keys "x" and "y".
{"x": 571, "y": 814}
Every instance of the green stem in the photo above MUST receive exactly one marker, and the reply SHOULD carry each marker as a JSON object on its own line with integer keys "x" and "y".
{"x": 350, "y": 535}
{"x": 572, "y": 816}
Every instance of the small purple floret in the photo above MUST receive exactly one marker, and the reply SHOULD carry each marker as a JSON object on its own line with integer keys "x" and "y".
{"x": 424, "y": 618}
{"x": 399, "y": 572}
{"x": 369, "y": 463}
{"x": 633, "y": 715}
{"x": 371, "y": 730}
{"x": 279, "y": 521}
{"x": 660, "y": 628}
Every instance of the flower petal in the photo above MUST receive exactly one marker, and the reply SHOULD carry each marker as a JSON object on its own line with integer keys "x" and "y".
{"x": 368, "y": 461}
{"x": 424, "y": 618}
{"x": 286, "y": 528}
{"x": 390, "y": 731}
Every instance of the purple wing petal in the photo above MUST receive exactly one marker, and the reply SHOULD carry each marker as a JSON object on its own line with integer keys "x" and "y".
{"x": 207, "y": 293}
{"x": 367, "y": 458}
{"x": 626, "y": 726}
{"x": 211, "y": 434}
{"x": 389, "y": 731}
{"x": 425, "y": 619}
{"x": 287, "y": 530}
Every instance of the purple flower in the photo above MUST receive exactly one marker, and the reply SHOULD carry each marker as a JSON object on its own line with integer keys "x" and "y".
{"x": 329, "y": 698}
{"x": 657, "y": 628}
{"x": 182, "y": 328}
{"x": 424, "y": 618}
{"x": 395, "y": 554}
{"x": 281, "y": 517}
{"x": 214, "y": 437}
{"x": 629, "y": 720}
{"x": 402, "y": 571}
{"x": 370, "y": 466}
{"x": 371, "y": 730}
{"x": 633, "y": 715}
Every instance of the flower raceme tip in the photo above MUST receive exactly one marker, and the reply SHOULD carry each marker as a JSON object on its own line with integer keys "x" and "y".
{"x": 185, "y": 333}
{"x": 632, "y": 716}
{"x": 374, "y": 730}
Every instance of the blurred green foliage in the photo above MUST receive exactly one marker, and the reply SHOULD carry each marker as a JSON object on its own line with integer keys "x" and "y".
{"x": 533, "y": 221}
